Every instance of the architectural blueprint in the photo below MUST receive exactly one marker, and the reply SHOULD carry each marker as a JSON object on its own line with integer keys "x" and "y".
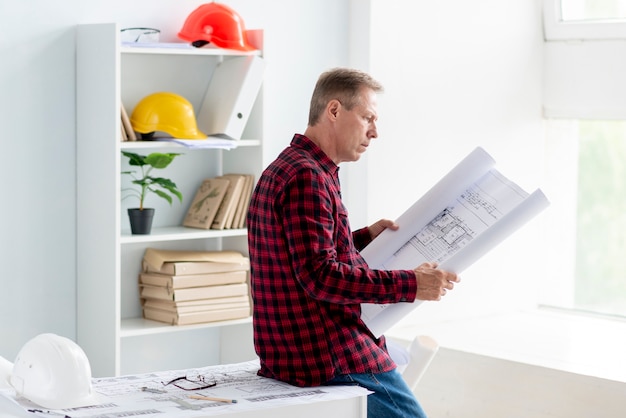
{"x": 469, "y": 212}
{"x": 150, "y": 395}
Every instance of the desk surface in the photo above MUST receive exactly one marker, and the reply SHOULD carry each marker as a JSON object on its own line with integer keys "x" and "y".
{"x": 146, "y": 395}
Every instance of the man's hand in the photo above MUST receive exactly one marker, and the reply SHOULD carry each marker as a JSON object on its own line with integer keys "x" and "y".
{"x": 380, "y": 226}
{"x": 433, "y": 283}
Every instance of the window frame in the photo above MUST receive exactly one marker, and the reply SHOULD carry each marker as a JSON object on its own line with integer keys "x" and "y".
{"x": 557, "y": 29}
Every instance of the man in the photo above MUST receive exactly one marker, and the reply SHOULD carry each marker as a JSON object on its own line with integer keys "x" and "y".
{"x": 308, "y": 278}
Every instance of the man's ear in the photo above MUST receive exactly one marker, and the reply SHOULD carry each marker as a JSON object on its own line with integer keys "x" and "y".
{"x": 333, "y": 107}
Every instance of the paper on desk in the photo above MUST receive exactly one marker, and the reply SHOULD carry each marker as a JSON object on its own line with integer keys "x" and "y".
{"x": 123, "y": 396}
{"x": 463, "y": 217}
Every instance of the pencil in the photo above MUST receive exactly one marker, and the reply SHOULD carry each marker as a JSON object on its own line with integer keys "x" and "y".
{"x": 211, "y": 398}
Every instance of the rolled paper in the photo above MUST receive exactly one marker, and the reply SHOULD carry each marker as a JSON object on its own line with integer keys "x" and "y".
{"x": 421, "y": 353}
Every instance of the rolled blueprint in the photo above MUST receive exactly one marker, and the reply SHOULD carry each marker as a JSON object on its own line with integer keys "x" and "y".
{"x": 463, "y": 217}
{"x": 421, "y": 353}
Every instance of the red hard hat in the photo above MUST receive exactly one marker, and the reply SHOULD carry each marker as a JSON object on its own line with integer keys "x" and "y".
{"x": 218, "y": 24}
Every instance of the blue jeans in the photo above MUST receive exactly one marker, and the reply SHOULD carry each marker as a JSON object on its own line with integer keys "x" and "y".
{"x": 392, "y": 398}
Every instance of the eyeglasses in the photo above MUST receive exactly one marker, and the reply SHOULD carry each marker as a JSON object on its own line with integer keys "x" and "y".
{"x": 139, "y": 35}
{"x": 192, "y": 382}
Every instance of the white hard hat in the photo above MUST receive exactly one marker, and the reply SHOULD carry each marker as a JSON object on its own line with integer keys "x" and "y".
{"x": 53, "y": 372}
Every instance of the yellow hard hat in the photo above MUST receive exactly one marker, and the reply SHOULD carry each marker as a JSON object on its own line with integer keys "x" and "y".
{"x": 166, "y": 112}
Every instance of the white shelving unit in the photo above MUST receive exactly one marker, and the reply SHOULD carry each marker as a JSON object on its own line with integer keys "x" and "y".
{"x": 110, "y": 327}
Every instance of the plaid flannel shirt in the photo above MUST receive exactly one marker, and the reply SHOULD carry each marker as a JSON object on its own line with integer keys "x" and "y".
{"x": 308, "y": 278}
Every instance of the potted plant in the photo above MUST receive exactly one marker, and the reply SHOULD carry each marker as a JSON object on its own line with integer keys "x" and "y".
{"x": 141, "y": 217}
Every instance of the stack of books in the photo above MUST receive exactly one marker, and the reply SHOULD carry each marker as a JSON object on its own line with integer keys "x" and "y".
{"x": 191, "y": 292}
{"x": 221, "y": 202}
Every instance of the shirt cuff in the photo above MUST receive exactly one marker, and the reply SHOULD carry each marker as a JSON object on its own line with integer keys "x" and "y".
{"x": 361, "y": 238}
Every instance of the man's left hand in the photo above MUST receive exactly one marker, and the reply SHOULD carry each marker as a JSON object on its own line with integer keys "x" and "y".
{"x": 378, "y": 227}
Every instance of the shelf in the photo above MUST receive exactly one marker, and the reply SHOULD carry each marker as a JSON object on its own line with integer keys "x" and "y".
{"x": 108, "y": 255}
{"x": 179, "y": 48}
{"x": 167, "y": 144}
{"x": 135, "y": 327}
{"x": 177, "y": 233}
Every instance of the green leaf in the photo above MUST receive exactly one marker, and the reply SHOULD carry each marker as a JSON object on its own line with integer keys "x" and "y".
{"x": 162, "y": 194}
{"x": 160, "y": 160}
{"x": 135, "y": 159}
{"x": 175, "y": 192}
{"x": 142, "y": 182}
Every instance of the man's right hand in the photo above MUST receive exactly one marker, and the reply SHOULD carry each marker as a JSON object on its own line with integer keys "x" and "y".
{"x": 433, "y": 283}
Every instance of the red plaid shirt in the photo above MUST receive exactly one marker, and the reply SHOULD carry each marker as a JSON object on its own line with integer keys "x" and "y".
{"x": 307, "y": 276}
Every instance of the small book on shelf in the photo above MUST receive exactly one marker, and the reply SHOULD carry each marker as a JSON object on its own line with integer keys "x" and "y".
{"x": 192, "y": 293}
{"x": 226, "y": 212}
{"x": 124, "y": 136}
{"x": 127, "y": 126}
{"x": 206, "y": 202}
{"x": 244, "y": 203}
{"x": 190, "y": 318}
{"x": 178, "y": 262}
{"x": 198, "y": 305}
{"x": 193, "y": 280}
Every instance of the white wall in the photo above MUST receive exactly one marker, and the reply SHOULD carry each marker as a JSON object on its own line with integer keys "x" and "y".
{"x": 37, "y": 116}
{"x": 458, "y": 75}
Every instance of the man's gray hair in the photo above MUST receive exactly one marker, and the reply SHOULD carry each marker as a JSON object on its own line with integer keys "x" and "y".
{"x": 343, "y": 84}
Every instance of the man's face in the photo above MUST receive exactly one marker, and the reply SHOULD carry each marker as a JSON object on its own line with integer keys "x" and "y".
{"x": 356, "y": 127}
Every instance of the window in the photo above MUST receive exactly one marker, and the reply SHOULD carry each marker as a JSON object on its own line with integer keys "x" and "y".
{"x": 584, "y": 19}
{"x": 590, "y": 10}
{"x": 586, "y": 156}
{"x": 587, "y": 238}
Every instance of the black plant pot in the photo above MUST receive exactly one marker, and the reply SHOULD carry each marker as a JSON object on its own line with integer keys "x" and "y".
{"x": 141, "y": 220}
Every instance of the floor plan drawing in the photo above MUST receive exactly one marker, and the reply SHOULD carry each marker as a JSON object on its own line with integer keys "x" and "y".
{"x": 443, "y": 236}
{"x": 475, "y": 210}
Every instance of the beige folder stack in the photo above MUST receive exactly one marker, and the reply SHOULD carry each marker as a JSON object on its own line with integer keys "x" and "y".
{"x": 192, "y": 287}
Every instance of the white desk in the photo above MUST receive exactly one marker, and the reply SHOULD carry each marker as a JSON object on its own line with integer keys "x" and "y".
{"x": 256, "y": 397}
